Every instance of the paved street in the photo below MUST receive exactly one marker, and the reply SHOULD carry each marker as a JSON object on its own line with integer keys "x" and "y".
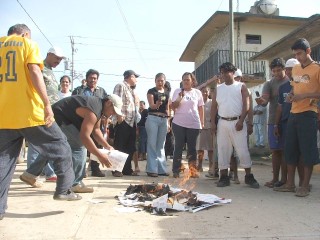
{"x": 253, "y": 213}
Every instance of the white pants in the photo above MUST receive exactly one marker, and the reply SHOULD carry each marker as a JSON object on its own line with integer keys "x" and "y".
{"x": 227, "y": 138}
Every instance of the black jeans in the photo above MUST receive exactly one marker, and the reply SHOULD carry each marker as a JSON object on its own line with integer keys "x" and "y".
{"x": 125, "y": 141}
{"x": 184, "y": 135}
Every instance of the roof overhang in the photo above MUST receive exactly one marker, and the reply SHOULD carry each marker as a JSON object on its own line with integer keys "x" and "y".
{"x": 282, "y": 47}
{"x": 219, "y": 20}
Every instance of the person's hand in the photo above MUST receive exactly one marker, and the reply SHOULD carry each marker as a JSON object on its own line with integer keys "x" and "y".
{"x": 158, "y": 103}
{"x": 289, "y": 97}
{"x": 239, "y": 125}
{"x": 276, "y": 131}
{"x": 110, "y": 148}
{"x": 103, "y": 159}
{"x": 48, "y": 115}
{"x": 260, "y": 101}
{"x": 120, "y": 119}
{"x": 181, "y": 94}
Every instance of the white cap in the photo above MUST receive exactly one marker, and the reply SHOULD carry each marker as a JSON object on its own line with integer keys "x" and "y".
{"x": 117, "y": 103}
{"x": 291, "y": 62}
{"x": 57, "y": 51}
{"x": 237, "y": 73}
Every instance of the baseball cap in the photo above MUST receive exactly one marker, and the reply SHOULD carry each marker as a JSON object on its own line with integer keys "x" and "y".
{"x": 291, "y": 62}
{"x": 237, "y": 73}
{"x": 117, "y": 103}
{"x": 128, "y": 73}
{"x": 57, "y": 51}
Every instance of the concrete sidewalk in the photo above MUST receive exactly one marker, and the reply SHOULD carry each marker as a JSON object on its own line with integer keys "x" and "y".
{"x": 253, "y": 214}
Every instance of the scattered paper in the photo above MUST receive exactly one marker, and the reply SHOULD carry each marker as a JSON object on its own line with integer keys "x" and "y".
{"x": 96, "y": 201}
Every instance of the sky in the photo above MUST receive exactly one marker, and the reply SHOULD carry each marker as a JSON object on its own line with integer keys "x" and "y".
{"x": 111, "y": 36}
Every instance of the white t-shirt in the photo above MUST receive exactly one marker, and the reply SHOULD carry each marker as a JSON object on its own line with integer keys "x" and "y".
{"x": 64, "y": 95}
{"x": 187, "y": 114}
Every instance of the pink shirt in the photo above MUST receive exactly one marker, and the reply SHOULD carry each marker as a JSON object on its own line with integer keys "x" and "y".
{"x": 187, "y": 114}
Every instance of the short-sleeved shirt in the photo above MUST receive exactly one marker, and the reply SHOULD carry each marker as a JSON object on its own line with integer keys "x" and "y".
{"x": 52, "y": 85}
{"x": 65, "y": 109}
{"x": 159, "y": 95}
{"x": 271, "y": 89}
{"x": 187, "y": 114}
{"x": 284, "y": 90}
{"x": 124, "y": 91}
{"x": 144, "y": 115}
{"x": 86, "y": 91}
{"x": 305, "y": 80}
{"x": 20, "y": 103}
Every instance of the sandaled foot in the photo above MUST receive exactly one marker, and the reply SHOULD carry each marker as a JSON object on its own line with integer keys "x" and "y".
{"x": 302, "y": 192}
{"x": 236, "y": 180}
{"x": 285, "y": 188}
{"x": 269, "y": 184}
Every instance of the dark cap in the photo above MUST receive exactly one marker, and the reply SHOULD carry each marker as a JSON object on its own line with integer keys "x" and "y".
{"x": 301, "y": 43}
{"x": 128, "y": 73}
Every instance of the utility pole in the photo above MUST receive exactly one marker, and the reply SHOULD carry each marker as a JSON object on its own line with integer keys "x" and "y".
{"x": 231, "y": 32}
{"x": 72, "y": 60}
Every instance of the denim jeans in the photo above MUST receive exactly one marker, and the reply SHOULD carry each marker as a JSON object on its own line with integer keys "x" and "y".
{"x": 157, "y": 130}
{"x": 33, "y": 156}
{"x": 50, "y": 142}
{"x": 184, "y": 135}
{"x": 79, "y": 152}
{"x": 143, "y": 137}
{"x": 258, "y": 133}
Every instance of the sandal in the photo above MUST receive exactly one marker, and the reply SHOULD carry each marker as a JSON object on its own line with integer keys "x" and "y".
{"x": 152, "y": 174}
{"x": 134, "y": 174}
{"x": 302, "y": 192}
{"x": 269, "y": 184}
{"x": 285, "y": 188}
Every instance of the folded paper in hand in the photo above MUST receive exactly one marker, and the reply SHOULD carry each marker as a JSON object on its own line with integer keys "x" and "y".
{"x": 116, "y": 158}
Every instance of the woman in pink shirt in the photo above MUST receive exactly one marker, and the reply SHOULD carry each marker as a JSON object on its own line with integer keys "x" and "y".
{"x": 187, "y": 103}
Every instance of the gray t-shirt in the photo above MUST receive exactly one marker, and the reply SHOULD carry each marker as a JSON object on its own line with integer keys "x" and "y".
{"x": 271, "y": 88}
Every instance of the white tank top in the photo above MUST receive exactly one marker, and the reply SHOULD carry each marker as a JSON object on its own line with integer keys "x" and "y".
{"x": 229, "y": 99}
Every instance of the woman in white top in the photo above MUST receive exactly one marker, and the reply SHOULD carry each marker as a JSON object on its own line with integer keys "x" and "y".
{"x": 187, "y": 103}
{"x": 65, "y": 82}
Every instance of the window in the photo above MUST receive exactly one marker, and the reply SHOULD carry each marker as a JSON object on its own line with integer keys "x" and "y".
{"x": 253, "y": 39}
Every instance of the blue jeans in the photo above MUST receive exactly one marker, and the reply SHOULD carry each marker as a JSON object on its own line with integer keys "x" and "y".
{"x": 184, "y": 135}
{"x": 33, "y": 156}
{"x": 79, "y": 152}
{"x": 143, "y": 137}
{"x": 157, "y": 130}
{"x": 50, "y": 142}
{"x": 258, "y": 134}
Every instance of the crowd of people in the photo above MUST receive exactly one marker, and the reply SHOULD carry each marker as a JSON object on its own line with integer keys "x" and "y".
{"x": 62, "y": 128}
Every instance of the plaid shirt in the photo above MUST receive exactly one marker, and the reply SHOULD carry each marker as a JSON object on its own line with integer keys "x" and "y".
{"x": 124, "y": 91}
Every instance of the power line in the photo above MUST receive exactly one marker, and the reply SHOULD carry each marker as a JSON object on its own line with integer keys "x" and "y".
{"x": 35, "y": 23}
{"x": 130, "y": 33}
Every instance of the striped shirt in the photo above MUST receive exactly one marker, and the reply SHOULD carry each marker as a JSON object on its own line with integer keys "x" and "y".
{"x": 124, "y": 91}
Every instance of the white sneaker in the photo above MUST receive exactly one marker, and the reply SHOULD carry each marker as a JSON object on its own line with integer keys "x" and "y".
{"x": 81, "y": 188}
{"x": 31, "y": 180}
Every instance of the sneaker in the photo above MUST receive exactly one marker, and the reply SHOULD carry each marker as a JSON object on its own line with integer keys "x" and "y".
{"x": 1, "y": 216}
{"x": 97, "y": 173}
{"x": 81, "y": 188}
{"x": 51, "y": 179}
{"x": 31, "y": 180}
{"x": 249, "y": 179}
{"x": 70, "y": 196}
{"x": 224, "y": 181}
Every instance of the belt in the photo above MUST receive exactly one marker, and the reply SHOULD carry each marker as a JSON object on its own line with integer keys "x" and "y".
{"x": 230, "y": 118}
{"x": 158, "y": 115}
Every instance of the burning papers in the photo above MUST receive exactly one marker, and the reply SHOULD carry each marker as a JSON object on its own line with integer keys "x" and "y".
{"x": 157, "y": 198}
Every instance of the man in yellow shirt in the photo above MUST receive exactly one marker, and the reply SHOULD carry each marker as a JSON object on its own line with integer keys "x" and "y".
{"x": 28, "y": 114}
{"x": 301, "y": 134}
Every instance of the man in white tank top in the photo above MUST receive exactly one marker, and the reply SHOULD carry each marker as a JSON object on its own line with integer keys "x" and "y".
{"x": 230, "y": 101}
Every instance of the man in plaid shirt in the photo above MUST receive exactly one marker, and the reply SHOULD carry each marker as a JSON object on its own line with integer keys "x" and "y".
{"x": 125, "y": 129}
